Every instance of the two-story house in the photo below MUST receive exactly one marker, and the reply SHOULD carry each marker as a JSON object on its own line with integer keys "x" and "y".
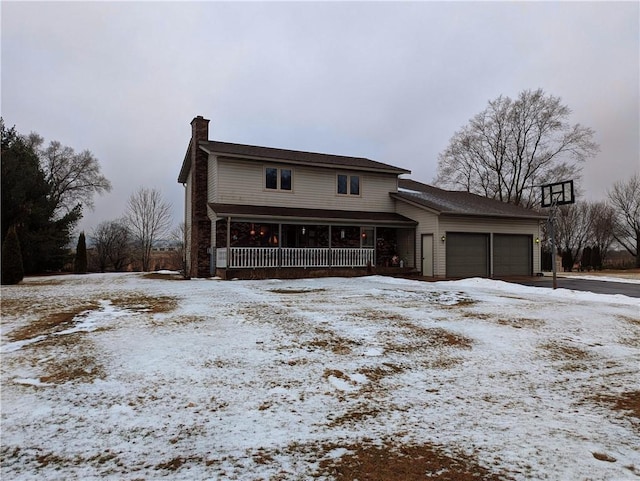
{"x": 263, "y": 212}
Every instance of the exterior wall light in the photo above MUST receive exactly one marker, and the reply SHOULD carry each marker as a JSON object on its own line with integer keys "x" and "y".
{"x": 303, "y": 230}
{"x": 443, "y": 238}
{"x": 537, "y": 240}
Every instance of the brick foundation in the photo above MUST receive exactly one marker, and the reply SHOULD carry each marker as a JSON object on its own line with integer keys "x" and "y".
{"x": 310, "y": 272}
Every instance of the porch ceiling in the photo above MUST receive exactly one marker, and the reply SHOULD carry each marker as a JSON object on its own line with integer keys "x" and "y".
{"x": 294, "y": 214}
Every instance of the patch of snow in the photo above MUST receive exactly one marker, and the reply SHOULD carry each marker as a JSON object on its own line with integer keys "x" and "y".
{"x": 409, "y": 191}
{"x": 373, "y": 351}
{"x": 338, "y": 453}
{"x": 17, "y": 345}
{"x": 31, "y": 382}
{"x": 94, "y": 319}
{"x": 341, "y": 384}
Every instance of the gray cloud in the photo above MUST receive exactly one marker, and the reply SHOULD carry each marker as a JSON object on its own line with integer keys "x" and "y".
{"x": 390, "y": 81}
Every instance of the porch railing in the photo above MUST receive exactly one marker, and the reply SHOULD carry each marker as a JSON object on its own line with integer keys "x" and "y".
{"x": 263, "y": 257}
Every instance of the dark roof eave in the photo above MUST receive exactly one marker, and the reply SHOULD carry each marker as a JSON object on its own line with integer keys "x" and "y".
{"x": 494, "y": 215}
{"x": 240, "y": 211}
{"x": 186, "y": 166}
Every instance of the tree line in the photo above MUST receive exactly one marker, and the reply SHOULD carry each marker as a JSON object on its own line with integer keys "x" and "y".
{"x": 45, "y": 191}
{"x": 119, "y": 242}
{"x": 587, "y": 231}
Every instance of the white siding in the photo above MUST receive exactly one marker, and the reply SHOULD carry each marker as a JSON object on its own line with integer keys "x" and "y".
{"x": 242, "y": 182}
{"x": 213, "y": 239}
{"x": 427, "y": 224}
{"x": 212, "y": 178}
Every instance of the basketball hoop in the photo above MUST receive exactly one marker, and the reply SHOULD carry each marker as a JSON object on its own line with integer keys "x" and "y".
{"x": 554, "y": 195}
{"x": 559, "y": 193}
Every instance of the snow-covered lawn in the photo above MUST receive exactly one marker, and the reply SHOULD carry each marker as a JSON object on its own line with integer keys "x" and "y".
{"x": 122, "y": 376}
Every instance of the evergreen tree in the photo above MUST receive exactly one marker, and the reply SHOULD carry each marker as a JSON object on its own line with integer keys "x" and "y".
{"x": 28, "y": 206}
{"x": 585, "y": 260}
{"x": 12, "y": 269}
{"x": 80, "y": 264}
{"x": 596, "y": 258}
{"x": 567, "y": 260}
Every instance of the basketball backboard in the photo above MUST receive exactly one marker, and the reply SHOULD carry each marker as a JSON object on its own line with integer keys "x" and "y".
{"x": 558, "y": 193}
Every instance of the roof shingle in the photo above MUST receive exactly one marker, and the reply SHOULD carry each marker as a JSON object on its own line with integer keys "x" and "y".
{"x": 458, "y": 202}
{"x": 296, "y": 156}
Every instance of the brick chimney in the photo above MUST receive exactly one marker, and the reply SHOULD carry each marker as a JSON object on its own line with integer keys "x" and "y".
{"x": 200, "y": 223}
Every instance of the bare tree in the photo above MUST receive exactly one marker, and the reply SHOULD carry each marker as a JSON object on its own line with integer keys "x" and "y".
{"x": 602, "y": 227}
{"x": 112, "y": 245}
{"x": 178, "y": 236}
{"x": 512, "y": 147}
{"x": 573, "y": 228}
{"x": 148, "y": 218}
{"x": 625, "y": 200}
{"x": 73, "y": 177}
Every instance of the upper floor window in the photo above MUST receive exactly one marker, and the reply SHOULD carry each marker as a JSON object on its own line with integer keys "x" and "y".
{"x": 277, "y": 178}
{"x": 348, "y": 184}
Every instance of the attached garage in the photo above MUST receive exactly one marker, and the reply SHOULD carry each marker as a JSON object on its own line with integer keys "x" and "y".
{"x": 467, "y": 255}
{"x": 512, "y": 255}
{"x": 468, "y": 235}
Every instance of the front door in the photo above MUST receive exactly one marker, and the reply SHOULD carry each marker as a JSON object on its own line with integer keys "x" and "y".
{"x": 427, "y": 255}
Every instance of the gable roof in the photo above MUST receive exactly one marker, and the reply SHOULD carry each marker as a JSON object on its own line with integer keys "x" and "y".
{"x": 453, "y": 202}
{"x": 270, "y": 154}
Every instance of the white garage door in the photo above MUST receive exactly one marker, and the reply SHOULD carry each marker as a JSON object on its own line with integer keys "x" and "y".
{"x": 467, "y": 255}
{"x": 512, "y": 255}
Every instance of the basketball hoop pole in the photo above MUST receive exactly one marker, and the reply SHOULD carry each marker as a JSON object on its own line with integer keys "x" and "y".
{"x": 552, "y": 221}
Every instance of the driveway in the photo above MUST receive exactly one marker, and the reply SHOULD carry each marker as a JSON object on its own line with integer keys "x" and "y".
{"x": 598, "y": 287}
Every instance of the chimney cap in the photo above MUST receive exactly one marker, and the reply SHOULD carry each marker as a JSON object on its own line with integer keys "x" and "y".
{"x": 198, "y": 118}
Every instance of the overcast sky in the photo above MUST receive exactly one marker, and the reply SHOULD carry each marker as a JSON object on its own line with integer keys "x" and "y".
{"x": 387, "y": 81}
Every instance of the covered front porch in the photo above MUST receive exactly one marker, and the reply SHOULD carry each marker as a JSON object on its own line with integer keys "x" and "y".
{"x": 288, "y": 238}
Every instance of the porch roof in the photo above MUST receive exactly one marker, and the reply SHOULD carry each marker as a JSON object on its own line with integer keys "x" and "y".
{"x": 295, "y": 214}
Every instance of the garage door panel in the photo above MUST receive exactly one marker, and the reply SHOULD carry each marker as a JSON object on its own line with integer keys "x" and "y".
{"x": 512, "y": 255}
{"x": 467, "y": 255}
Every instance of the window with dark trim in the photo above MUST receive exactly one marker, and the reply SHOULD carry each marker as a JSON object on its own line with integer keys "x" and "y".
{"x": 348, "y": 184}
{"x": 276, "y": 178}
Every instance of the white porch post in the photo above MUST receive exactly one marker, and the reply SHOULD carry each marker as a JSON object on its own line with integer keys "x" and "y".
{"x": 228, "y": 240}
{"x": 330, "y": 244}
